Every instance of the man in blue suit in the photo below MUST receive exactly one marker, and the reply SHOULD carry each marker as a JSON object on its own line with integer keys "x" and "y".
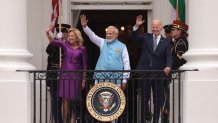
{"x": 156, "y": 55}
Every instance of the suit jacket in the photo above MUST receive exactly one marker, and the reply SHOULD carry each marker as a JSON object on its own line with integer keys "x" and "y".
{"x": 153, "y": 60}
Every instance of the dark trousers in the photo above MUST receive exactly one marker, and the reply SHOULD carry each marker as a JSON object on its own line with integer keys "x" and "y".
{"x": 156, "y": 85}
{"x": 166, "y": 104}
{"x": 132, "y": 102}
{"x": 56, "y": 103}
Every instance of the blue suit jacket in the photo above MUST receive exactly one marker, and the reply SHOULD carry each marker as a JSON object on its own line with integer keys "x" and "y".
{"x": 157, "y": 60}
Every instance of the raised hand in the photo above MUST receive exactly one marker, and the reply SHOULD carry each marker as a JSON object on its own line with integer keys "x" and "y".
{"x": 83, "y": 20}
{"x": 139, "y": 21}
{"x": 50, "y": 27}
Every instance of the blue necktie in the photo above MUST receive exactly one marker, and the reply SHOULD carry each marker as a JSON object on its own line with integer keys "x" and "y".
{"x": 154, "y": 43}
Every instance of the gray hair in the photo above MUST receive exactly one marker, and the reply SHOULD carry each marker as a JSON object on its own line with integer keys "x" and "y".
{"x": 115, "y": 29}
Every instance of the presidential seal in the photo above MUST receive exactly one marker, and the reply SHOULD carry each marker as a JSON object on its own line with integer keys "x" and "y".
{"x": 105, "y": 101}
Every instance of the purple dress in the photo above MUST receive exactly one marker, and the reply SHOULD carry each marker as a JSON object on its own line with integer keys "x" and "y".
{"x": 69, "y": 85}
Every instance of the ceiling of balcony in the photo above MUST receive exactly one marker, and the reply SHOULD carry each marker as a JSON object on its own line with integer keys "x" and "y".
{"x": 113, "y": 17}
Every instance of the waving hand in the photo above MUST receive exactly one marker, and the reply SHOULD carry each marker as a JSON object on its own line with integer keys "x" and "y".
{"x": 83, "y": 20}
{"x": 139, "y": 21}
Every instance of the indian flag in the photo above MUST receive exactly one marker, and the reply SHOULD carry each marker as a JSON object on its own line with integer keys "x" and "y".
{"x": 179, "y": 8}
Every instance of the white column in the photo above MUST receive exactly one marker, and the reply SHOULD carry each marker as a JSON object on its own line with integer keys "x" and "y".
{"x": 66, "y": 11}
{"x": 13, "y": 48}
{"x": 15, "y": 90}
{"x": 200, "y": 88}
{"x": 203, "y": 50}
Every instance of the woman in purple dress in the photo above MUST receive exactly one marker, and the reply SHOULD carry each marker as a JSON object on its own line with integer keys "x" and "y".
{"x": 75, "y": 58}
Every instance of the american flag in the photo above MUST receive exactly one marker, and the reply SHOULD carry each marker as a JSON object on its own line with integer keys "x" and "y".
{"x": 55, "y": 12}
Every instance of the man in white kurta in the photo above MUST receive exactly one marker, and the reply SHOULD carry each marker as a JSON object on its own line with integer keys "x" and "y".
{"x": 113, "y": 55}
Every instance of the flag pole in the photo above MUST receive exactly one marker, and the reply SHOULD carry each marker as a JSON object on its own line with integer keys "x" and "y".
{"x": 177, "y": 10}
{"x": 59, "y": 21}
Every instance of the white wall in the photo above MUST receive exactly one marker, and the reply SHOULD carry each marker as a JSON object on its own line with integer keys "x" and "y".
{"x": 162, "y": 10}
{"x": 38, "y": 18}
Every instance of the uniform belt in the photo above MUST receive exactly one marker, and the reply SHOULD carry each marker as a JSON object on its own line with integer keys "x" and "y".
{"x": 55, "y": 65}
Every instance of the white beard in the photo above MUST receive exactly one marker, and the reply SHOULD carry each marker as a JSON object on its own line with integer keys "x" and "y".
{"x": 109, "y": 40}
